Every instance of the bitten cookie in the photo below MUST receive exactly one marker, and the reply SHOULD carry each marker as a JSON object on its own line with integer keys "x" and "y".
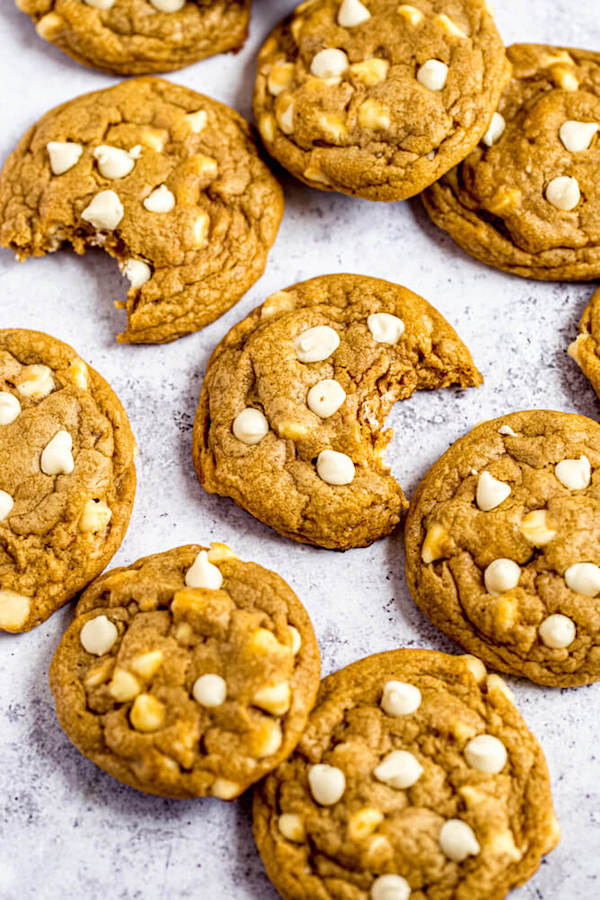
{"x": 188, "y": 674}
{"x": 527, "y": 198}
{"x": 378, "y": 99}
{"x": 67, "y": 476}
{"x": 415, "y": 777}
{"x": 289, "y": 422}
{"x": 135, "y": 37}
{"x": 503, "y": 545}
{"x": 167, "y": 181}
{"x": 585, "y": 350}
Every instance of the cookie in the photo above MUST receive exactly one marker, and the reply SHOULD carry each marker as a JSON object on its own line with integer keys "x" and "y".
{"x": 415, "y": 777}
{"x": 378, "y": 99}
{"x": 290, "y": 416}
{"x": 136, "y": 37}
{"x": 167, "y": 181}
{"x": 585, "y": 350}
{"x": 527, "y": 200}
{"x": 503, "y": 545}
{"x": 188, "y": 674}
{"x": 67, "y": 476}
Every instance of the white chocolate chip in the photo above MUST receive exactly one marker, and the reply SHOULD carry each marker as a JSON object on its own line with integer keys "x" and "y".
{"x": 535, "y": 529}
{"x": 400, "y": 769}
{"x": 584, "y": 578}
{"x": 78, "y": 373}
{"x": 197, "y": 120}
{"x": 385, "y": 328}
{"x": 210, "y": 690}
{"x": 490, "y": 492}
{"x": 457, "y": 840}
{"x": 168, "y": 6}
{"x": 63, "y": 155}
{"x": 433, "y": 74}
{"x": 563, "y": 192}
{"x": 574, "y": 474}
{"x": 100, "y": 4}
{"x": 500, "y": 576}
{"x": 274, "y": 698}
{"x": 203, "y": 574}
{"x": 412, "y": 15}
{"x": 104, "y": 212}
{"x": 137, "y": 271}
{"x": 113, "y": 162}
{"x": 124, "y": 686}
{"x": 327, "y": 784}
{"x": 390, "y": 887}
{"x": 98, "y": 635}
{"x": 226, "y": 790}
{"x": 495, "y": 129}
{"x": 147, "y": 713}
{"x": 95, "y": 517}
{"x": 161, "y": 200}
{"x": 507, "y": 430}
{"x": 57, "y": 456}
{"x": 351, "y": 13}
{"x": 400, "y": 698}
{"x": 486, "y": 754}
{"x": 36, "y": 382}
{"x": 316, "y": 344}
{"x": 250, "y": 426}
{"x": 335, "y": 468}
{"x": 325, "y": 397}
{"x": 14, "y": 609}
{"x": 557, "y": 631}
{"x": 329, "y": 63}
{"x": 449, "y": 26}
{"x": 285, "y": 117}
{"x": 577, "y": 136}
{"x": 9, "y": 407}
{"x": 292, "y": 827}
{"x": 296, "y": 639}
{"x": 6, "y": 504}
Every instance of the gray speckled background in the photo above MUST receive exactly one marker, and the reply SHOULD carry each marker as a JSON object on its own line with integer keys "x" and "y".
{"x": 66, "y": 828}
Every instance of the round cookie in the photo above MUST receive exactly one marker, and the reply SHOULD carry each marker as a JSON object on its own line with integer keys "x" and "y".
{"x": 290, "y": 416}
{"x": 67, "y": 476}
{"x": 136, "y": 37}
{"x": 378, "y": 99}
{"x": 502, "y": 545}
{"x": 527, "y": 199}
{"x": 188, "y": 674}
{"x": 167, "y": 181}
{"x": 585, "y": 350}
{"x": 415, "y": 777}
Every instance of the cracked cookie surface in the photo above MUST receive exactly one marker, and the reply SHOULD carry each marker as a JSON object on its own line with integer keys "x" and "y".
{"x": 167, "y": 181}
{"x": 502, "y": 545}
{"x": 585, "y": 349}
{"x": 526, "y": 200}
{"x": 137, "y": 37}
{"x": 294, "y": 398}
{"x": 67, "y": 476}
{"x": 415, "y": 777}
{"x": 190, "y": 673}
{"x": 378, "y": 99}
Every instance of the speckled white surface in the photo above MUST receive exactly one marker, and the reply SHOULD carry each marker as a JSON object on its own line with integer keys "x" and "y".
{"x": 66, "y": 828}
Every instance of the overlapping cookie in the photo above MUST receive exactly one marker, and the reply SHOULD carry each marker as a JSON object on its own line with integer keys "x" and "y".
{"x": 137, "y": 37}
{"x": 167, "y": 181}
{"x": 416, "y": 777}
{"x": 67, "y": 476}
{"x": 526, "y": 200}
{"x": 290, "y": 416}
{"x": 378, "y": 99}
{"x": 188, "y": 674}
{"x": 585, "y": 349}
{"x": 503, "y": 545}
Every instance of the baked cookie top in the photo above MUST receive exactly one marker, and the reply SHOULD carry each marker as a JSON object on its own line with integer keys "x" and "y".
{"x": 527, "y": 198}
{"x": 503, "y": 545}
{"x": 378, "y": 99}
{"x": 167, "y": 181}
{"x": 585, "y": 350}
{"x": 290, "y": 416}
{"x": 67, "y": 476}
{"x": 189, "y": 673}
{"x": 135, "y": 37}
{"x": 415, "y": 777}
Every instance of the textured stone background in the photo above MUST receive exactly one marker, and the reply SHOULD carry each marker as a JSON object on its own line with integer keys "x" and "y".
{"x": 69, "y": 830}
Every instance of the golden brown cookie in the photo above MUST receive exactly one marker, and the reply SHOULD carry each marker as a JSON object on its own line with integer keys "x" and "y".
{"x": 585, "y": 350}
{"x": 378, "y": 99}
{"x": 167, "y": 181}
{"x": 135, "y": 37}
{"x": 527, "y": 199}
{"x": 415, "y": 777}
{"x": 289, "y": 422}
{"x": 503, "y": 545}
{"x": 67, "y": 476}
{"x": 188, "y": 674}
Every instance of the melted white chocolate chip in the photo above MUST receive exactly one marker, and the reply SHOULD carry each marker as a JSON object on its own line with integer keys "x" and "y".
{"x": 316, "y": 344}
{"x": 495, "y": 130}
{"x": 329, "y": 63}
{"x": 14, "y": 609}
{"x": 35, "y": 382}
{"x": 63, "y": 155}
{"x": 325, "y": 397}
{"x": 161, "y": 200}
{"x": 433, "y": 74}
{"x": 203, "y": 574}
{"x": 9, "y": 407}
{"x": 574, "y": 474}
{"x": 327, "y": 784}
{"x": 57, "y": 456}
{"x": 100, "y": 4}
{"x": 385, "y": 328}
{"x": 6, "y": 504}
{"x": 113, "y": 162}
